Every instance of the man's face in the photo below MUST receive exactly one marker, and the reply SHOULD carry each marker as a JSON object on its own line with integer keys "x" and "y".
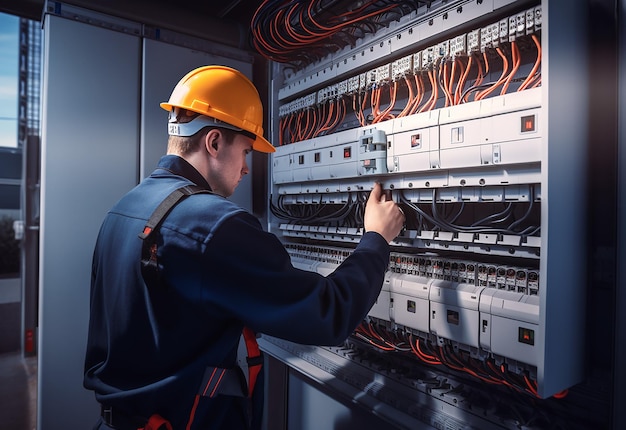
{"x": 229, "y": 164}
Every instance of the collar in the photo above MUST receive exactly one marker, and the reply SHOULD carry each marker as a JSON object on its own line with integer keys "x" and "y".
{"x": 180, "y": 167}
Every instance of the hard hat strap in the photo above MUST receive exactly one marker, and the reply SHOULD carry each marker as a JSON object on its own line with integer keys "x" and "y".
{"x": 195, "y": 125}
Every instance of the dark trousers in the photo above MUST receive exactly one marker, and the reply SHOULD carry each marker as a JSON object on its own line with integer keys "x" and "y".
{"x": 101, "y": 425}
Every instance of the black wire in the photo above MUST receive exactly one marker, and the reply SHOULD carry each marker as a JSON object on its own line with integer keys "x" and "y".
{"x": 505, "y": 214}
{"x": 439, "y": 221}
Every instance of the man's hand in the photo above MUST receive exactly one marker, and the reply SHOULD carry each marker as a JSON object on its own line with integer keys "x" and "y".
{"x": 383, "y": 216}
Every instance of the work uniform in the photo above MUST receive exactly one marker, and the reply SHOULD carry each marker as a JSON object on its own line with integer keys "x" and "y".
{"x": 150, "y": 345}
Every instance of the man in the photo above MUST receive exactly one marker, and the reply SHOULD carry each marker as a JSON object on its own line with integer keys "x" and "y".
{"x": 162, "y": 327}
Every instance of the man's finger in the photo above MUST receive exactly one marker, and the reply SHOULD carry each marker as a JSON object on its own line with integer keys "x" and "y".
{"x": 376, "y": 192}
{"x": 386, "y": 197}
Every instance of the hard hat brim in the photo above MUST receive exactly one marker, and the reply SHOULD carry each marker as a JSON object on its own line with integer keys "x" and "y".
{"x": 263, "y": 145}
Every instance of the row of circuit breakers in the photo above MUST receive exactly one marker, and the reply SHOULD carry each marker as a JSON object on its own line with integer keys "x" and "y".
{"x": 479, "y": 307}
{"x": 496, "y": 131}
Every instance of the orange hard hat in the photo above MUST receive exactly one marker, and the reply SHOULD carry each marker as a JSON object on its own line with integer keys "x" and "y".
{"x": 223, "y": 94}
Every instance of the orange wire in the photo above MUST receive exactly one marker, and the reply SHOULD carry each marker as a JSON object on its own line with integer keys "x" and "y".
{"x": 375, "y": 101}
{"x": 450, "y": 91}
{"x": 281, "y": 131}
{"x": 350, "y": 21}
{"x": 422, "y": 354}
{"x": 307, "y": 124}
{"x": 443, "y": 70}
{"x": 314, "y": 122}
{"x": 481, "y": 74}
{"x": 533, "y": 71}
{"x": 432, "y": 101}
{"x": 462, "y": 368}
{"x": 363, "y": 105}
{"x": 461, "y": 84}
{"x": 420, "y": 93}
{"x": 259, "y": 37}
{"x": 435, "y": 85}
{"x": 392, "y": 100}
{"x": 531, "y": 386}
{"x": 410, "y": 98}
{"x": 505, "y": 68}
{"x": 288, "y": 129}
{"x": 356, "y": 111}
{"x": 329, "y": 115}
{"x": 339, "y": 115}
{"x": 444, "y": 86}
{"x": 516, "y": 57}
{"x": 298, "y": 131}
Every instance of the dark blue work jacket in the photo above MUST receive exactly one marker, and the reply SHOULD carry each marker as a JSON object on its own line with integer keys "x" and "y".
{"x": 149, "y": 347}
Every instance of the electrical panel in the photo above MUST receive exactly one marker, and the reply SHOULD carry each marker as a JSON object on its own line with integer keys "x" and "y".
{"x": 446, "y": 104}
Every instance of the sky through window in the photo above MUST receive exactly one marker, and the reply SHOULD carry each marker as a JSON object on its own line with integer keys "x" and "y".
{"x": 9, "y": 32}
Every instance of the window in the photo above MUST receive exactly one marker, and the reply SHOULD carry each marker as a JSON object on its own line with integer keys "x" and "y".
{"x": 9, "y": 55}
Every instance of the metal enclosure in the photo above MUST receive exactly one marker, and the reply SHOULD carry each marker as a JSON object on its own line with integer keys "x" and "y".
{"x": 528, "y": 147}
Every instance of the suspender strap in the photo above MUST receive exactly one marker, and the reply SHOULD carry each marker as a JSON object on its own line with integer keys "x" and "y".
{"x": 215, "y": 380}
{"x": 149, "y": 263}
{"x": 254, "y": 359}
{"x": 231, "y": 382}
{"x": 164, "y": 208}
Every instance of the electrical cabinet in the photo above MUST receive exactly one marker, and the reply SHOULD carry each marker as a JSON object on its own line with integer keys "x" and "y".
{"x": 462, "y": 111}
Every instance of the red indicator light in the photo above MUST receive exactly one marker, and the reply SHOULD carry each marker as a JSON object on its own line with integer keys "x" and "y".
{"x": 526, "y": 335}
{"x": 528, "y": 123}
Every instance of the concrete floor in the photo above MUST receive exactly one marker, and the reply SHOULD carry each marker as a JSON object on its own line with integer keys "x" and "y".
{"x": 18, "y": 391}
{"x": 18, "y": 375}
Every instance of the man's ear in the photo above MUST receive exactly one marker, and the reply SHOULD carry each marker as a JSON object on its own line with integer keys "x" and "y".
{"x": 211, "y": 141}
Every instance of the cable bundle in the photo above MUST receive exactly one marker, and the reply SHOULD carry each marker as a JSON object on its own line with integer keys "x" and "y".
{"x": 486, "y": 370}
{"x": 302, "y": 32}
{"x": 433, "y": 217}
{"x": 347, "y": 214}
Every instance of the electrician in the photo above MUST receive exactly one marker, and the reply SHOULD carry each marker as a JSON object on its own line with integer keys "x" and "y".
{"x": 175, "y": 281}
